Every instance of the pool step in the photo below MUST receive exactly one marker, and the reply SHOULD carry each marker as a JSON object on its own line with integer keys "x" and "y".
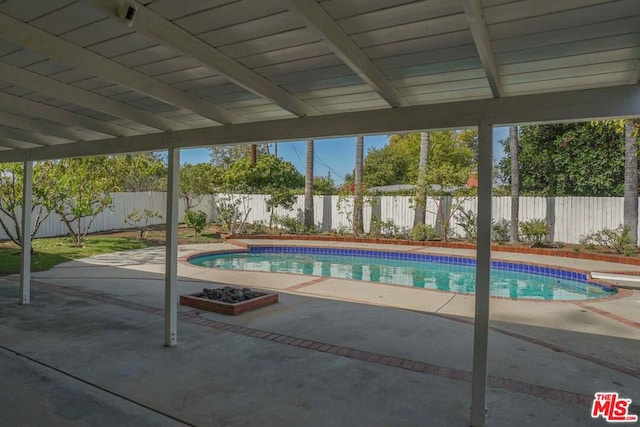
{"x": 628, "y": 280}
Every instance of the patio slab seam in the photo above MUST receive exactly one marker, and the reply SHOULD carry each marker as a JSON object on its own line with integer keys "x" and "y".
{"x": 94, "y": 385}
{"x": 607, "y": 314}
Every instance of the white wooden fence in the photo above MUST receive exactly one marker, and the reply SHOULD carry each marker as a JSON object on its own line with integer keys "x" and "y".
{"x": 570, "y": 217}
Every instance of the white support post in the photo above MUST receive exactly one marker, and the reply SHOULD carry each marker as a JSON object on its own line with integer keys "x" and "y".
{"x": 171, "y": 262}
{"x": 483, "y": 266}
{"x": 25, "y": 238}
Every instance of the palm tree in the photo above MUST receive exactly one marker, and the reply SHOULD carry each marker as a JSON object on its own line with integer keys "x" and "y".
{"x": 631, "y": 179}
{"x": 421, "y": 193}
{"x": 308, "y": 187}
{"x": 254, "y": 154}
{"x": 358, "y": 226}
{"x": 515, "y": 182}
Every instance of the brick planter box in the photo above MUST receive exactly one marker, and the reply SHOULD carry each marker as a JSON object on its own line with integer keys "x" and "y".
{"x": 262, "y": 300}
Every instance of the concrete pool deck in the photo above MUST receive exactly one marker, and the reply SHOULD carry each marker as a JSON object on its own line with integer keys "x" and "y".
{"x": 328, "y": 353}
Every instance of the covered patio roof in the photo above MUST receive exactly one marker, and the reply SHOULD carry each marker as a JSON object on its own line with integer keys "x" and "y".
{"x": 92, "y": 77}
{"x": 104, "y": 76}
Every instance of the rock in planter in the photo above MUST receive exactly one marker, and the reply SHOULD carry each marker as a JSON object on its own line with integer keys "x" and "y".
{"x": 228, "y": 300}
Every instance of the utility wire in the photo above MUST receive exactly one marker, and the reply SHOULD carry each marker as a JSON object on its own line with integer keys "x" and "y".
{"x": 298, "y": 156}
{"x": 328, "y": 167}
{"x": 321, "y": 161}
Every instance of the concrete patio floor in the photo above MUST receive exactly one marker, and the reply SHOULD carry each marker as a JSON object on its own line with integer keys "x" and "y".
{"x": 88, "y": 351}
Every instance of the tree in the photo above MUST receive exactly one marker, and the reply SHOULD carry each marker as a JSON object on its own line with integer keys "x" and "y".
{"x": 11, "y": 185}
{"x": 395, "y": 163}
{"x": 270, "y": 173}
{"x": 139, "y": 172}
{"x": 324, "y": 185}
{"x": 515, "y": 183}
{"x": 224, "y": 155}
{"x": 197, "y": 181}
{"x": 579, "y": 159}
{"x": 421, "y": 195}
{"x": 358, "y": 199}
{"x": 631, "y": 179}
{"x": 82, "y": 190}
{"x": 308, "y": 187}
{"x": 451, "y": 163}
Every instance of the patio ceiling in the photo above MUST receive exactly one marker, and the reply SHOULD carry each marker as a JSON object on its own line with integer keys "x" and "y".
{"x": 75, "y": 79}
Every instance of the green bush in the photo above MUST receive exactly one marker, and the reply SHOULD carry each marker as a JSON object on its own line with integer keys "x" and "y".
{"x": 141, "y": 220}
{"x": 500, "y": 230}
{"x": 422, "y": 232}
{"x": 386, "y": 229}
{"x": 289, "y": 224}
{"x": 196, "y": 220}
{"x": 618, "y": 239}
{"x": 535, "y": 231}
{"x": 468, "y": 221}
{"x": 232, "y": 213}
{"x": 259, "y": 227}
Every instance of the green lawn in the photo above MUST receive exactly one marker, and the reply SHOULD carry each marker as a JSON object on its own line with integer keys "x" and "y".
{"x": 49, "y": 252}
{"x": 52, "y": 251}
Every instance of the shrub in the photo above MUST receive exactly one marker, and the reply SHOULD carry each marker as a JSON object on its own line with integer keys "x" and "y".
{"x": 141, "y": 220}
{"x": 387, "y": 229}
{"x": 230, "y": 215}
{"x": 422, "y": 232}
{"x": 618, "y": 239}
{"x": 289, "y": 224}
{"x": 535, "y": 231}
{"x": 500, "y": 230}
{"x": 259, "y": 227}
{"x": 196, "y": 220}
{"x": 468, "y": 221}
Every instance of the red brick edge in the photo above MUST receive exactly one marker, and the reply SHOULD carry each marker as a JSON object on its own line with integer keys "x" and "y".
{"x": 193, "y": 317}
{"x": 453, "y": 245}
{"x": 511, "y": 385}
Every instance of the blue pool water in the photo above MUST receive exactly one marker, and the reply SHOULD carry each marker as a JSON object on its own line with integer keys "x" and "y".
{"x": 516, "y": 281}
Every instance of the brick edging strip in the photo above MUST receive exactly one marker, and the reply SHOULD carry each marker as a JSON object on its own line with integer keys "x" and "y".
{"x": 511, "y": 385}
{"x": 452, "y": 245}
{"x": 193, "y": 317}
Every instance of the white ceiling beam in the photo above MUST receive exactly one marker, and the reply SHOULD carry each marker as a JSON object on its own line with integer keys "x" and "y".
{"x": 16, "y": 144}
{"x": 59, "y": 49}
{"x": 155, "y": 26}
{"x": 480, "y": 33}
{"x": 36, "y": 126}
{"x": 28, "y": 106}
{"x": 635, "y": 75}
{"x": 33, "y": 138}
{"x": 591, "y": 104}
{"x": 318, "y": 20}
{"x": 65, "y": 92}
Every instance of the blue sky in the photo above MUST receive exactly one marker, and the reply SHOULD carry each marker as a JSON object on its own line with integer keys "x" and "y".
{"x": 335, "y": 156}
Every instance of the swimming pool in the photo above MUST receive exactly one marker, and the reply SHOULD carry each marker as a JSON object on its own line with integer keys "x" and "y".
{"x": 445, "y": 273}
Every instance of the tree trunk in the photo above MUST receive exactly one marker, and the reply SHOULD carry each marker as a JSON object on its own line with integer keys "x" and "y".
{"x": 631, "y": 180}
{"x": 515, "y": 183}
{"x": 358, "y": 226}
{"x": 421, "y": 191}
{"x": 308, "y": 187}
{"x": 254, "y": 154}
